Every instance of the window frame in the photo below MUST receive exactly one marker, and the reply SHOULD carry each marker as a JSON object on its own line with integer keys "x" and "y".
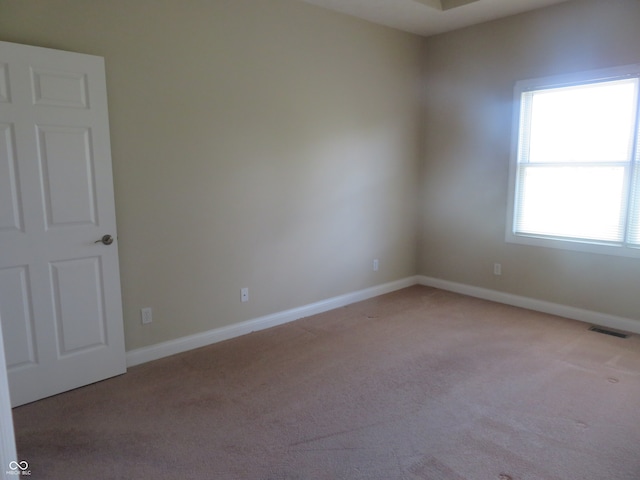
{"x": 567, "y": 243}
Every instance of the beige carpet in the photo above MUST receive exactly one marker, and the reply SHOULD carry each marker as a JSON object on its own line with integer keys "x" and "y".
{"x": 417, "y": 384}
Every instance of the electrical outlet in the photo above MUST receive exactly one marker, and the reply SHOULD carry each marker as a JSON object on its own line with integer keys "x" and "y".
{"x": 244, "y": 294}
{"x": 497, "y": 269}
{"x": 146, "y": 315}
{"x": 376, "y": 264}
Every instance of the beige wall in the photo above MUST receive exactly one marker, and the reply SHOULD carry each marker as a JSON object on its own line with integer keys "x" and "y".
{"x": 266, "y": 144}
{"x": 470, "y": 75}
{"x": 275, "y": 145}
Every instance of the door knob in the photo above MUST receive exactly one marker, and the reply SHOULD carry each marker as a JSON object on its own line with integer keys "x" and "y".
{"x": 106, "y": 239}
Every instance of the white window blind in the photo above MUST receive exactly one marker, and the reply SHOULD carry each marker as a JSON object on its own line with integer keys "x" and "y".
{"x": 576, "y": 177}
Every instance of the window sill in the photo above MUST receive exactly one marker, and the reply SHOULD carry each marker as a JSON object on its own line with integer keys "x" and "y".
{"x": 593, "y": 247}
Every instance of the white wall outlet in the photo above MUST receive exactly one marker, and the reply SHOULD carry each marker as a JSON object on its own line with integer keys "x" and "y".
{"x": 376, "y": 264}
{"x": 146, "y": 315}
{"x": 244, "y": 294}
{"x": 497, "y": 269}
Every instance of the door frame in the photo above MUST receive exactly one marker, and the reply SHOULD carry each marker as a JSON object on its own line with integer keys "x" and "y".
{"x": 7, "y": 435}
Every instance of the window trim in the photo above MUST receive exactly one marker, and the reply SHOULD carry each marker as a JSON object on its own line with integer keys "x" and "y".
{"x": 564, "y": 243}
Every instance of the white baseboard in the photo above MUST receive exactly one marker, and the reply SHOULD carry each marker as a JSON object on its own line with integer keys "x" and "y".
{"x": 183, "y": 344}
{"x": 587, "y": 316}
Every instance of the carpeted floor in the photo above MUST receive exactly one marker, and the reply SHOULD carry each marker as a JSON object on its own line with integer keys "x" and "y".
{"x": 417, "y": 384}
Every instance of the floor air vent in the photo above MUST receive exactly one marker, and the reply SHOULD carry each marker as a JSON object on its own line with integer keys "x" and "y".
{"x": 608, "y": 332}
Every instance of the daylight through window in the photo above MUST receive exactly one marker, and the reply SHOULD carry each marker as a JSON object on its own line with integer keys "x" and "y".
{"x": 575, "y": 177}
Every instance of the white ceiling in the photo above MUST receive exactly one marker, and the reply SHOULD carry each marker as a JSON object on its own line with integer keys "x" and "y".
{"x": 429, "y": 17}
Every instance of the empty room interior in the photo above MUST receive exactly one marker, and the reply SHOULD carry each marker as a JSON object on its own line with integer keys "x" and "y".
{"x": 328, "y": 263}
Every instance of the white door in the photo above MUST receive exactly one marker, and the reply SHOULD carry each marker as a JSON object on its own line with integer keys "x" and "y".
{"x": 60, "y": 300}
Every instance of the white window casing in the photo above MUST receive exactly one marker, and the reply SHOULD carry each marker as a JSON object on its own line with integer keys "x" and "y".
{"x": 574, "y": 174}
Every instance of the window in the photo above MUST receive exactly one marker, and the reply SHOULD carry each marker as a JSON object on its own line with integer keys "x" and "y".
{"x": 575, "y": 171}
